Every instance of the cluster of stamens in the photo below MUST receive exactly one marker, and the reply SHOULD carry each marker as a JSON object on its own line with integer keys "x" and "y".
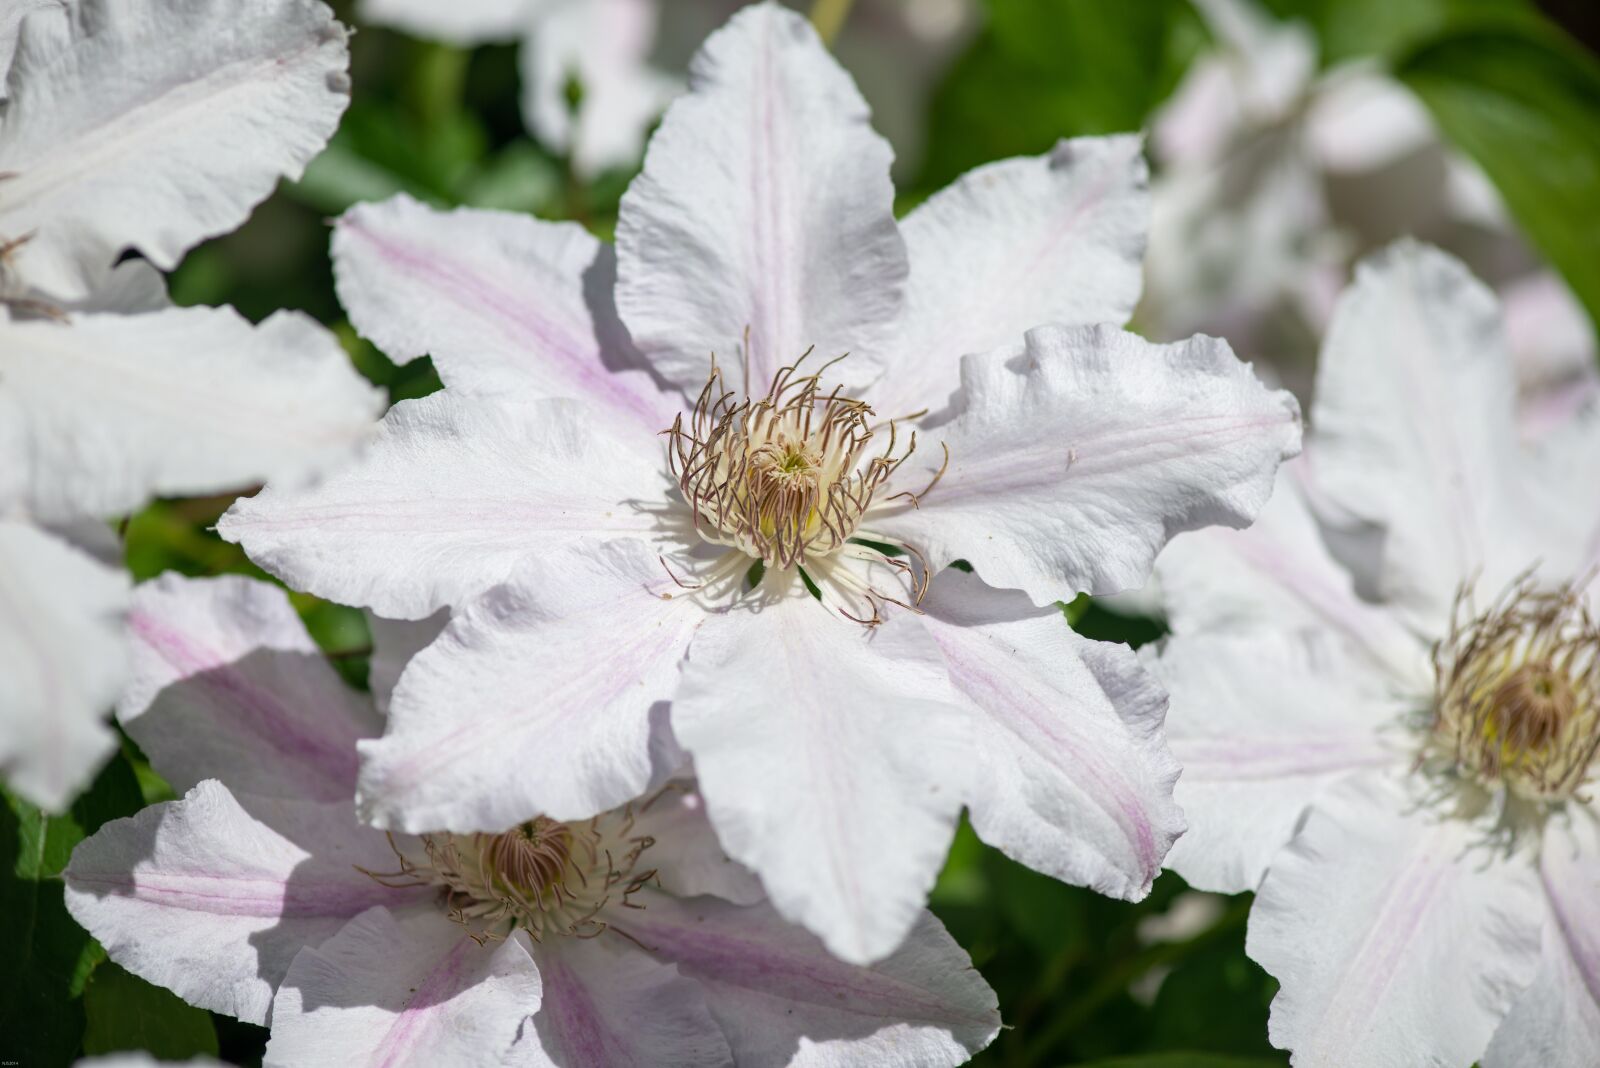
{"x": 543, "y": 876}
{"x": 788, "y": 478}
{"x": 1518, "y": 697}
{"x": 784, "y": 477}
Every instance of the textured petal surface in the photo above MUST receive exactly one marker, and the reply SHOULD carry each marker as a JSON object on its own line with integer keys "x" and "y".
{"x": 115, "y": 408}
{"x": 1013, "y": 245}
{"x": 449, "y": 498}
{"x": 12, "y": 12}
{"x": 1399, "y": 941}
{"x": 765, "y": 206}
{"x": 160, "y": 125}
{"x": 536, "y": 699}
{"x": 62, "y": 661}
{"x": 608, "y": 1005}
{"x": 227, "y": 684}
{"x": 687, "y": 858}
{"x": 405, "y": 990}
{"x": 1415, "y": 429}
{"x": 1556, "y": 1023}
{"x": 394, "y": 643}
{"x": 783, "y": 999}
{"x": 1279, "y": 574}
{"x": 213, "y": 896}
{"x": 833, "y": 760}
{"x": 1081, "y": 453}
{"x": 1073, "y": 777}
{"x": 505, "y": 303}
{"x": 1262, "y": 724}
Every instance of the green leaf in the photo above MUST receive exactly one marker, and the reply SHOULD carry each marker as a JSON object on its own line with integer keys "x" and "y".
{"x": 1188, "y": 1060}
{"x": 48, "y": 956}
{"x": 1524, "y": 101}
{"x": 1352, "y": 28}
{"x": 1046, "y": 69}
{"x": 126, "y": 1013}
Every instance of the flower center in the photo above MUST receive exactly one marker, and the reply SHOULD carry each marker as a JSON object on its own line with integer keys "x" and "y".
{"x": 543, "y": 876}
{"x": 1518, "y": 697}
{"x": 784, "y": 478}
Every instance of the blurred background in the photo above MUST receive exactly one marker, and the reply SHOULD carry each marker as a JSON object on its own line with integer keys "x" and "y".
{"x": 1287, "y": 137}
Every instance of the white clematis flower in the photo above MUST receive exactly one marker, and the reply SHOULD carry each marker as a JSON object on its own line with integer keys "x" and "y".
{"x": 1405, "y": 777}
{"x": 626, "y": 938}
{"x": 1274, "y": 178}
{"x": 592, "y": 530}
{"x": 148, "y": 125}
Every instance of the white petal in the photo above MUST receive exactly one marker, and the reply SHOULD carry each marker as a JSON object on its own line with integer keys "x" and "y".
{"x": 537, "y": 697}
{"x": 505, "y": 303}
{"x": 115, "y": 408}
{"x": 833, "y": 759}
{"x": 1415, "y": 430}
{"x": 227, "y": 684}
{"x": 687, "y": 857}
{"x": 12, "y": 13}
{"x": 62, "y": 661}
{"x": 765, "y": 206}
{"x": 783, "y": 1000}
{"x": 405, "y": 990}
{"x": 1562, "y": 475}
{"x": 213, "y": 896}
{"x": 1012, "y": 245}
{"x": 394, "y": 643}
{"x": 1073, "y": 777}
{"x": 607, "y": 1003}
{"x": 465, "y": 22}
{"x": 449, "y": 497}
{"x": 1081, "y": 453}
{"x": 161, "y": 125}
{"x": 1556, "y": 1023}
{"x": 1279, "y": 575}
{"x": 1262, "y": 724}
{"x": 1400, "y": 940}
{"x": 606, "y": 45}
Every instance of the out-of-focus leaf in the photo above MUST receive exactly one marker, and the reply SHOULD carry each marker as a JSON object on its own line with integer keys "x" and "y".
{"x": 126, "y": 1013}
{"x": 341, "y": 176}
{"x": 521, "y": 178}
{"x": 1046, "y": 69}
{"x": 48, "y": 957}
{"x": 1352, "y": 28}
{"x": 1215, "y": 998}
{"x": 1524, "y": 101}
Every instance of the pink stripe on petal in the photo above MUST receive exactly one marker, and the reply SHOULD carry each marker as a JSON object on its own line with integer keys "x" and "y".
{"x": 328, "y": 751}
{"x": 420, "y": 1013}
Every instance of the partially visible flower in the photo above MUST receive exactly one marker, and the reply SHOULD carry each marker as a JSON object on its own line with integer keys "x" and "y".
{"x": 625, "y": 938}
{"x": 1386, "y": 699}
{"x": 627, "y": 58}
{"x": 148, "y": 125}
{"x": 628, "y": 522}
{"x": 1273, "y": 178}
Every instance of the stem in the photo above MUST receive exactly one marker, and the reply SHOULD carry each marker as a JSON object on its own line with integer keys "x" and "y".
{"x": 828, "y": 16}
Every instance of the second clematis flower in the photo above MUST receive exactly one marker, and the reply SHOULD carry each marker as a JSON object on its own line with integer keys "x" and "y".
{"x": 1396, "y": 749}
{"x": 703, "y": 490}
{"x": 626, "y": 938}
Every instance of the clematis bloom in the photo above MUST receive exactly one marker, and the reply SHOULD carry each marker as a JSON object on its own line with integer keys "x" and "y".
{"x": 625, "y": 938}
{"x": 1386, "y": 698}
{"x": 146, "y": 125}
{"x": 646, "y": 462}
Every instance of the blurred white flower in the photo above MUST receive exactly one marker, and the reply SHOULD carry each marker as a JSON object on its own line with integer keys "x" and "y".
{"x": 628, "y": 59}
{"x": 1386, "y": 700}
{"x": 626, "y": 938}
{"x": 1274, "y": 177}
{"x": 148, "y": 125}
{"x": 593, "y": 528}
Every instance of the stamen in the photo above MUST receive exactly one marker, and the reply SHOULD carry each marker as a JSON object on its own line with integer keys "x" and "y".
{"x": 1518, "y": 699}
